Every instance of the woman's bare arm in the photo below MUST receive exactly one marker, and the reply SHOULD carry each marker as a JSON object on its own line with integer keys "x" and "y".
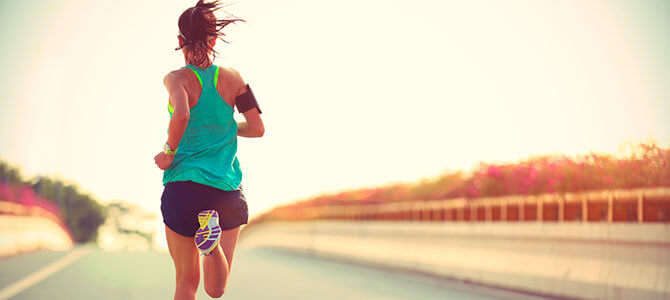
{"x": 179, "y": 119}
{"x": 253, "y": 126}
{"x": 181, "y": 114}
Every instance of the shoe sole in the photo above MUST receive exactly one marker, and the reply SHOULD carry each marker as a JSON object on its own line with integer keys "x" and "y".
{"x": 208, "y": 235}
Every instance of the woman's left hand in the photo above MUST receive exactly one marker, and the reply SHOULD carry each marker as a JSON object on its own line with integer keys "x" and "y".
{"x": 163, "y": 161}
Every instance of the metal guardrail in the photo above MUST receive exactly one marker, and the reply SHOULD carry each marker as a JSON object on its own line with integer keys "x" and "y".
{"x": 636, "y": 205}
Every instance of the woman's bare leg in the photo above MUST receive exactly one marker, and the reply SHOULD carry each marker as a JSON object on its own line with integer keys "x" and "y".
{"x": 186, "y": 262}
{"x": 216, "y": 267}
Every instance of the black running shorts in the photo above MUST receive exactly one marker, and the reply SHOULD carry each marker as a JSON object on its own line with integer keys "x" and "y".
{"x": 183, "y": 200}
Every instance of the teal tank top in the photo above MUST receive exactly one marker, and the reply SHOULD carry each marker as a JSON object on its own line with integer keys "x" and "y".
{"x": 207, "y": 153}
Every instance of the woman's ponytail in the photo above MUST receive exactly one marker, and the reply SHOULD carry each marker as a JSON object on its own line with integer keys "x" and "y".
{"x": 198, "y": 26}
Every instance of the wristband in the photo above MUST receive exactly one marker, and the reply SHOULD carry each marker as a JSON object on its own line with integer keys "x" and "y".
{"x": 168, "y": 150}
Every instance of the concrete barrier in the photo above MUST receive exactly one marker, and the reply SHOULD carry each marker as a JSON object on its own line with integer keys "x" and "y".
{"x": 574, "y": 260}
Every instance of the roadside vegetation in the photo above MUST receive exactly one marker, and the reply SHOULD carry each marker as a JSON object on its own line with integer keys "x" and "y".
{"x": 644, "y": 165}
{"x": 79, "y": 212}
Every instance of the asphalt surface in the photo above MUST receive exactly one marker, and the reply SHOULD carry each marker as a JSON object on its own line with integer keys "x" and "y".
{"x": 258, "y": 273}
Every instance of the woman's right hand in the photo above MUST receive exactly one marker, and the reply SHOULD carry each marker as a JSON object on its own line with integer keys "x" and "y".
{"x": 163, "y": 160}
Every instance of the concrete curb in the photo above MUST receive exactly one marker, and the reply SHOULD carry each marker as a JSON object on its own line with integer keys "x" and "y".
{"x": 574, "y": 260}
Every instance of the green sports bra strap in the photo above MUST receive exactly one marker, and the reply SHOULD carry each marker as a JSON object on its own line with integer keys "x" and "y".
{"x": 216, "y": 76}
{"x": 198, "y": 75}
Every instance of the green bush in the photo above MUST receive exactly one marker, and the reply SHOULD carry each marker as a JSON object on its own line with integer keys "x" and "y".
{"x": 82, "y": 214}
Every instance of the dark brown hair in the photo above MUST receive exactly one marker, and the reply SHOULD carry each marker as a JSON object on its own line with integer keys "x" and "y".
{"x": 198, "y": 26}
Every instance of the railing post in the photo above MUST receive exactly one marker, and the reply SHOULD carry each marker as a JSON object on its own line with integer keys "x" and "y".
{"x": 539, "y": 200}
{"x": 640, "y": 207}
{"x": 585, "y": 209}
{"x": 610, "y": 207}
{"x": 522, "y": 209}
{"x": 417, "y": 211}
{"x": 434, "y": 212}
{"x": 503, "y": 211}
{"x": 441, "y": 213}
{"x": 561, "y": 208}
{"x": 488, "y": 214}
{"x": 424, "y": 212}
{"x": 473, "y": 211}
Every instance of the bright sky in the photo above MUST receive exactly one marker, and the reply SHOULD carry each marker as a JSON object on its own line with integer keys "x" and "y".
{"x": 354, "y": 93}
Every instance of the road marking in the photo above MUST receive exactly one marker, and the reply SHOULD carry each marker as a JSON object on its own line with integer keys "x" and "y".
{"x": 30, "y": 280}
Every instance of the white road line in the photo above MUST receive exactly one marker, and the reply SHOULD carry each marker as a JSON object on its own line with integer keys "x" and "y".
{"x": 30, "y": 280}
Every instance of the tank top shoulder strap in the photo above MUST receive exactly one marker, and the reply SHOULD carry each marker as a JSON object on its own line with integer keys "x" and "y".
{"x": 207, "y": 77}
{"x": 192, "y": 68}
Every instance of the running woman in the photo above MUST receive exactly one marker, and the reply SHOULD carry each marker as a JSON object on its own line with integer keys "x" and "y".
{"x": 202, "y": 204}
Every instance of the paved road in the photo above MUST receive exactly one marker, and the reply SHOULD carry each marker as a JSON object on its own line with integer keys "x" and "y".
{"x": 257, "y": 274}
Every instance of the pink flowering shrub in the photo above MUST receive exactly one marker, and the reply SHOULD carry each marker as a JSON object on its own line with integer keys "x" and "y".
{"x": 27, "y": 197}
{"x": 647, "y": 166}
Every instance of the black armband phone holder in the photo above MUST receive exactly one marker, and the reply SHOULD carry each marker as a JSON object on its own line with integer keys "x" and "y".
{"x": 246, "y": 101}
